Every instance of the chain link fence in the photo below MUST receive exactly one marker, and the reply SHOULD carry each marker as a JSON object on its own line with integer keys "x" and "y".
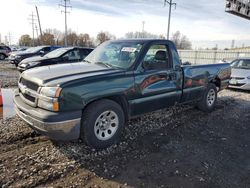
{"x": 211, "y": 56}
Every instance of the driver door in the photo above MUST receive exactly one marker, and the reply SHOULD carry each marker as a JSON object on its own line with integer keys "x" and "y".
{"x": 158, "y": 84}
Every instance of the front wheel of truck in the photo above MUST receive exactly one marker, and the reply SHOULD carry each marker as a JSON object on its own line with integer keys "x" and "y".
{"x": 209, "y": 99}
{"x": 102, "y": 124}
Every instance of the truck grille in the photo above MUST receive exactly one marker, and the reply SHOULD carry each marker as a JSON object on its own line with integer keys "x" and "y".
{"x": 30, "y": 98}
{"x": 28, "y": 91}
{"x": 29, "y": 84}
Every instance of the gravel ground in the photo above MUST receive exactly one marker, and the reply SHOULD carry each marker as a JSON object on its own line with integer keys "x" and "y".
{"x": 8, "y": 74}
{"x": 176, "y": 147}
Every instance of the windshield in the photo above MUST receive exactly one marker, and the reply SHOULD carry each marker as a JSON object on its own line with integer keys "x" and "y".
{"x": 115, "y": 54}
{"x": 33, "y": 49}
{"x": 241, "y": 64}
{"x": 56, "y": 53}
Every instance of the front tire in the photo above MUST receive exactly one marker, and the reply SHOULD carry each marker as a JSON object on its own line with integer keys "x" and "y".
{"x": 209, "y": 99}
{"x": 102, "y": 124}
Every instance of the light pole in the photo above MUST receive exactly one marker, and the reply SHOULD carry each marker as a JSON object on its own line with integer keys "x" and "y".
{"x": 143, "y": 25}
{"x": 169, "y": 16}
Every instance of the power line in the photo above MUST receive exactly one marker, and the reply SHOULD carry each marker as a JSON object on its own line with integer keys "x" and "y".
{"x": 170, "y": 3}
{"x": 64, "y": 5}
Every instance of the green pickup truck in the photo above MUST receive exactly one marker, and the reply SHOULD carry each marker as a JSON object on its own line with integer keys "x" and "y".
{"x": 120, "y": 79}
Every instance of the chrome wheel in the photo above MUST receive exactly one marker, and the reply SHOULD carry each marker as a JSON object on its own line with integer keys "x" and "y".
{"x": 106, "y": 125}
{"x": 211, "y": 96}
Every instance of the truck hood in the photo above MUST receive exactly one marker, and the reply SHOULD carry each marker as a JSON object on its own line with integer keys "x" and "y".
{"x": 240, "y": 73}
{"x": 62, "y": 73}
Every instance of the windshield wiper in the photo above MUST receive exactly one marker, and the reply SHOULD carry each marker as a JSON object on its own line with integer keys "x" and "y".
{"x": 105, "y": 64}
{"x": 86, "y": 61}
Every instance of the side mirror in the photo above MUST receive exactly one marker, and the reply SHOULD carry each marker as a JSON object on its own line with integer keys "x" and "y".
{"x": 177, "y": 68}
{"x": 42, "y": 53}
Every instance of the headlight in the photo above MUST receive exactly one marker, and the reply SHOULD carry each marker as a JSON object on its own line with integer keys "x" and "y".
{"x": 51, "y": 91}
{"x": 248, "y": 77}
{"x": 17, "y": 57}
{"x": 23, "y": 65}
{"x": 49, "y": 98}
{"x": 32, "y": 64}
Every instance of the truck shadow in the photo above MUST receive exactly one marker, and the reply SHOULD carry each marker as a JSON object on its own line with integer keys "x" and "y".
{"x": 179, "y": 147}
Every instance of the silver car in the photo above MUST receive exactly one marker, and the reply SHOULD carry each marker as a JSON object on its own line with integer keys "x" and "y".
{"x": 240, "y": 77}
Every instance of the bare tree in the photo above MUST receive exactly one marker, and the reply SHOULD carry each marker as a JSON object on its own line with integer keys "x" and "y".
{"x": 58, "y": 36}
{"x": 48, "y": 39}
{"x": 104, "y": 36}
{"x": 85, "y": 40}
{"x": 181, "y": 41}
{"x": 137, "y": 34}
{"x": 72, "y": 38}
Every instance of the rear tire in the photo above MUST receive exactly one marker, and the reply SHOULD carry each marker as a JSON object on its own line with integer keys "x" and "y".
{"x": 209, "y": 99}
{"x": 2, "y": 56}
{"x": 102, "y": 124}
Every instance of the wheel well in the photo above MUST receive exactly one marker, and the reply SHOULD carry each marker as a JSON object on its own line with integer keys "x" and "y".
{"x": 217, "y": 82}
{"x": 119, "y": 99}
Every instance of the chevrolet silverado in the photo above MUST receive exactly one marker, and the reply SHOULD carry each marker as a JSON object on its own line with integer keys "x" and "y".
{"x": 120, "y": 79}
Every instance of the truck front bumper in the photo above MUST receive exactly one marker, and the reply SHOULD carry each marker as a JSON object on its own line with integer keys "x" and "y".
{"x": 63, "y": 126}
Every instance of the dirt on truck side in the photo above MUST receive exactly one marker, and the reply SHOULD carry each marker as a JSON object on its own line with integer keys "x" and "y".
{"x": 175, "y": 147}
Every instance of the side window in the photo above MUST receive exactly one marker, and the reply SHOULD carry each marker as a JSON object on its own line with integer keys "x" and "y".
{"x": 84, "y": 53}
{"x": 235, "y": 63}
{"x": 246, "y": 64}
{"x": 73, "y": 55}
{"x": 157, "y": 58}
{"x": 46, "y": 50}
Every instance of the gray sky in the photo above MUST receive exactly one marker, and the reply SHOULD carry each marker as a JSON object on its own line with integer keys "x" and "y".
{"x": 204, "y": 22}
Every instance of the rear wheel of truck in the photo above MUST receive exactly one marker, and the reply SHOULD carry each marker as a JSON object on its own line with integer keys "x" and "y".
{"x": 209, "y": 99}
{"x": 102, "y": 124}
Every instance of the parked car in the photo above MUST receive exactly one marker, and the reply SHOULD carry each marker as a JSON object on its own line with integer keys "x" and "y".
{"x": 4, "y": 52}
{"x": 240, "y": 78}
{"x": 61, "y": 55}
{"x": 120, "y": 79}
{"x": 16, "y": 57}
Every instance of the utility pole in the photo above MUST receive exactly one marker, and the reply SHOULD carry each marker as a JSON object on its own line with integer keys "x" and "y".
{"x": 143, "y": 24}
{"x": 9, "y": 34}
{"x": 38, "y": 17}
{"x": 65, "y": 5}
{"x": 169, "y": 16}
{"x": 37, "y": 32}
{"x": 32, "y": 18}
{"x": 232, "y": 44}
